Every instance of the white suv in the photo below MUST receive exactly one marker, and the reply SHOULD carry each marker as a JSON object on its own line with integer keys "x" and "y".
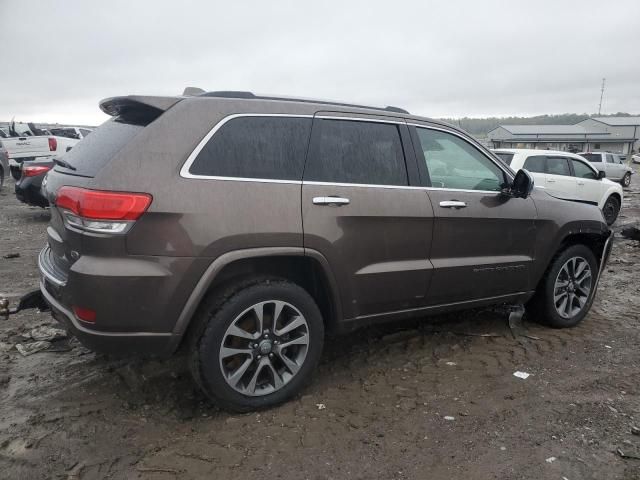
{"x": 568, "y": 174}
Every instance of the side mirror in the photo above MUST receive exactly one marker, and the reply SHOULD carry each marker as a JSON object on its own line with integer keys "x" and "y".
{"x": 522, "y": 184}
{"x": 601, "y": 174}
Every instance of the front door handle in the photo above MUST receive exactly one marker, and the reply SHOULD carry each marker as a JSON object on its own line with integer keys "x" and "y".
{"x": 551, "y": 181}
{"x": 331, "y": 201}
{"x": 452, "y": 204}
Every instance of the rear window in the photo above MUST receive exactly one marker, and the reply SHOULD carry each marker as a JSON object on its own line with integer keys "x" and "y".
{"x": 505, "y": 157}
{"x": 271, "y": 148}
{"x": 592, "y": 157}
{"x": 95, "y": 151}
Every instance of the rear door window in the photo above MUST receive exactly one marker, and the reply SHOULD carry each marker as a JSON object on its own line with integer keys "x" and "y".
{"x": 272, "y": 148}
{"x": 535, "y": 164}
{"x": 361, "y": 152}
{"x": 609, "y": 158}
{"x": 558, "y": 166}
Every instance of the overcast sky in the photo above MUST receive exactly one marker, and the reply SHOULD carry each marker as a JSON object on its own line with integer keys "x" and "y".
{"x": 435, "y": 58}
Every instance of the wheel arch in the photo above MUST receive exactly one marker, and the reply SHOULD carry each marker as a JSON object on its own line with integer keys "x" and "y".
{"x": 595, "y": 240}
{"x": 304, "y": 267}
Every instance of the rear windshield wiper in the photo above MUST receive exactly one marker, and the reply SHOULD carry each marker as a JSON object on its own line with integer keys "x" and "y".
{"x": 64, "y": 163}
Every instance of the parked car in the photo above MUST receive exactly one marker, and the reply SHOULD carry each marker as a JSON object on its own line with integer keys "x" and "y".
{"x": 4, "y": 165}
{"x": 263, "y": 222}
{"x": 635, "y": 158}
{"x": 613, "y": 166}
{"x": 28, "y": 186}
{"x": 28, "y": 147}
{"x": 568, "y": 174}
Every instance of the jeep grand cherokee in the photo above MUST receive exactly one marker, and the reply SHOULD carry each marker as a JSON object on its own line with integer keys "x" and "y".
{"x": 244, "y": 227}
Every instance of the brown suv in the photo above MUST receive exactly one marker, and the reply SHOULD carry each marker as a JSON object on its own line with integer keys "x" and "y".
{"x": 245, "y": 227}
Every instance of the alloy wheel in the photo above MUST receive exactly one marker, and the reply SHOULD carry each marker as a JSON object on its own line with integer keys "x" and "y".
{"x": 264, "y": 348}
{"x": 572, "y": 287}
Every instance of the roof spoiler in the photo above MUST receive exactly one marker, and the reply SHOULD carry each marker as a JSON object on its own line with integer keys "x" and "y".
{"x": 115, "y": 106}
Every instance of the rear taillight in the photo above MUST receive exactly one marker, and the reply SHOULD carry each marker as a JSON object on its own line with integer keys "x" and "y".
{"x": 100, "y": 211}
{"x": 53, "y": 144}
{"x": 85, "y": 314}
{"x": 33, "y": 170}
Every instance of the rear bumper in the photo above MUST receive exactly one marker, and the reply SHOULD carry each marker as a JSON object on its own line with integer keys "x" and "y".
{"x": 130, "y": 300}
{"x": 129, "y": 343}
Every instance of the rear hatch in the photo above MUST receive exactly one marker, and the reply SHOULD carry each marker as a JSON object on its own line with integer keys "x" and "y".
{"x": 78, "y": 167}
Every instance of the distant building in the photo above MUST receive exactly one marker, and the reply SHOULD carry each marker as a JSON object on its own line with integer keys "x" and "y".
{"x": 615, "y": 134}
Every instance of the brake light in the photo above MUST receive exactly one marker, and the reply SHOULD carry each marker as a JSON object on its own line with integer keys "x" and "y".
{"x": 101, "y": 211}
{"x": 53, "y": 144}
{"x": 33, "y": 170}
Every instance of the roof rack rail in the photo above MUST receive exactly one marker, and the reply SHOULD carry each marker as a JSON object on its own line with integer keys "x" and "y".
{"x": 251, "y": 95}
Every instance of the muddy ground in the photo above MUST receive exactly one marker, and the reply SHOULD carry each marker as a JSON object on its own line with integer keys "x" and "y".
{"x": 378, "y": 407}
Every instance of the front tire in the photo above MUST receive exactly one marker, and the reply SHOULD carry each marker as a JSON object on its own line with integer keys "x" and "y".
{"x": 611, "y": 209}
{"x": 258, "y": 346}
{"x": 566, "y": 292}
{"x": 626, "y": 180}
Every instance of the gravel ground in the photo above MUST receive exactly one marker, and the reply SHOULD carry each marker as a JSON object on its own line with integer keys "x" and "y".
{"x": 435, "y": 399}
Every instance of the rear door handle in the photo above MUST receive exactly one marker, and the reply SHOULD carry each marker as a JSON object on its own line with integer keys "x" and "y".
{"x": 452, "y": 204}
{"x": 551, "y": 181}
{"x": 331, "y": 201}
{"x": 580, "y": 183}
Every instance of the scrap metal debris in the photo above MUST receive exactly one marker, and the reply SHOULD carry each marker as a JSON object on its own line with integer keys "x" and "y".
{"x": 11, "y": 255}
{"x": 522, "y": 375}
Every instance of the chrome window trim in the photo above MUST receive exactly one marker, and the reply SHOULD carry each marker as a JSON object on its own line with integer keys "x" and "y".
{"x": 184, "y": 171}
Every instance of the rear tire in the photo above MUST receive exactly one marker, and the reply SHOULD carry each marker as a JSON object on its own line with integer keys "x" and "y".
{"x": 626, "y": 180}
{"x": 245, "y": 361}
{"x": 611, "y": 209}
{"x": 567, "y": 290}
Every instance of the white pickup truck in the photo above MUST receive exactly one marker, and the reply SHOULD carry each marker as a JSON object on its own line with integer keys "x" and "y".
{"x": 28, "y": 147}
{"x": 612, "y": 165}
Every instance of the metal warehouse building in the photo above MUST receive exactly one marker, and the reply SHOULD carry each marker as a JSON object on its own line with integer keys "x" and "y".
{"x": 615, "y": 134}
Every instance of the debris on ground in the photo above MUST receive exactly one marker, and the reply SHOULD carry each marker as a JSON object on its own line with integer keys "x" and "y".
{"x": 449, "y": 418}
{"x": 632, "y": 233}
{"x": 627, "y": 455}
{"x": 321, "y": 406}
{"x": 45, "y": 333}
{"x": 11, "y": 255}
{"x": 635, "y": 430}
{"x": 551, "y": 459}
{"x": 27, "y": 349}
{"x": 522, "y": 375}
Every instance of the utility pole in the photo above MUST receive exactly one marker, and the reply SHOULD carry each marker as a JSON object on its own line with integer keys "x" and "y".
{"x": 601, "y": 95}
